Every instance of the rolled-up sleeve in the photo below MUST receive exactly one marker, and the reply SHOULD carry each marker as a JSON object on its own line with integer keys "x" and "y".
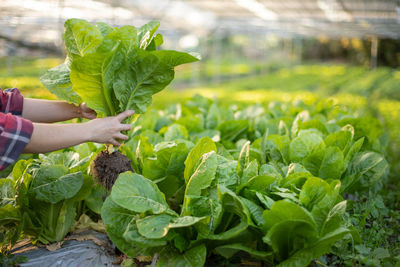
{"x": 15, "y": 132}
{"x": 11, "y": 101}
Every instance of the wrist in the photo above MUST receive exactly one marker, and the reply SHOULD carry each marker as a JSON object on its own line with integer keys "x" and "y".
{"x": 78, "y": 111}
{"x": 87, "y": 131}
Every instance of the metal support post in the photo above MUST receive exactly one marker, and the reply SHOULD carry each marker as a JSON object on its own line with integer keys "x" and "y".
{"x": 374, "y": 52}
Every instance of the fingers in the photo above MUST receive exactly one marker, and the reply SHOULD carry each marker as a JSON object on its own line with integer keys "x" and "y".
{"x": 114, "y": 143}
{"x": 108, "y": 130}
{"x": 87, "y": 112}
{"x": 85, "y": 108}
{"x": 125, "y": 127}
{"x": 90, "y": 116}
{"x": 127, "y": 113}
{"x": 121, "y": 136}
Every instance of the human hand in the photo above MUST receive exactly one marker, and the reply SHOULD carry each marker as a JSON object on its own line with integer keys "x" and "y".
{"x": 107, "y": 130}
{"x": 86, "y": 112}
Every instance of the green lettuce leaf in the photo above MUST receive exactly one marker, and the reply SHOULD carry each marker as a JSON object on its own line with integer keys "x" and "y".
{"x": 57, "y": 81}
{"x": 92, "y": 78}
{"x": 117, "y": 220}
{"x": 304, "y": 144}
{"x": 136, "y": 193}
{"x": 113, "y": 69}
{"x": 284, "y": 210}
{"x": 154, "y": 226}
{"x": 81, "y": 37}
{"x": 157, "y": 226}
{"x": 193, "y": 257}
{"x": 52, "y": 184}
{"x": 204, "y": 145}
{"x": 201, "y": 206}
{"x": 203, "y": 175}
{"x": 229, "y": 250}
{"x": 323, "y": 245}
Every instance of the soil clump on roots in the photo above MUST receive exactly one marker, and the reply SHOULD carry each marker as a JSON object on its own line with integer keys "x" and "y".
{"x": 107, "y": 166}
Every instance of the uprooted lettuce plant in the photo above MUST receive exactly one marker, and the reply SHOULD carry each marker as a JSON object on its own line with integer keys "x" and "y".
{"x": 112, "y": 70}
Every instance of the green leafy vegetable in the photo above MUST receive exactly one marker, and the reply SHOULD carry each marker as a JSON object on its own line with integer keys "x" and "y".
{"x": 113, "y": 69}
{"x": 46, "y": 195}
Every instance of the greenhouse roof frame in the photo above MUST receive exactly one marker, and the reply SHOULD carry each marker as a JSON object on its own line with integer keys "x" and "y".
{"x": 40, "y": 21}
{"x": 330, "y": 18}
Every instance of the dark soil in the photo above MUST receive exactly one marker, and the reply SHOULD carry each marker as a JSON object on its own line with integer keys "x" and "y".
{"x": 107, "y": 166}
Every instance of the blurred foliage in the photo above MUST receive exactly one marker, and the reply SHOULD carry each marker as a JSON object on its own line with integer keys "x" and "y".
{"x": 351, "y": 50}
{"x": 24, "y": 73}
{"x": 326, "y": 79}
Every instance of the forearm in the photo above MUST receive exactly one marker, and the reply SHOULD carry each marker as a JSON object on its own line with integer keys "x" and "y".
{"x": 51, "y": 137}
{"x": 38, "y": 110}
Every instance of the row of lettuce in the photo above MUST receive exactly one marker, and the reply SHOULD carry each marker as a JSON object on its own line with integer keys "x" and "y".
{"x": 328, "y": 79}
{"x": 383, "y": 82}
{"x": 210, "y": 182}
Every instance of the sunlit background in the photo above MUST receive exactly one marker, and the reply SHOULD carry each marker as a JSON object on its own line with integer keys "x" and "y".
{"x": 239, "y": 37}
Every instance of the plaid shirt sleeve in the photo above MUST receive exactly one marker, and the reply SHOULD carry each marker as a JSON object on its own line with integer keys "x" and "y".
{"x": 15, "y": 132}
{"x": 11, "y": 101}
